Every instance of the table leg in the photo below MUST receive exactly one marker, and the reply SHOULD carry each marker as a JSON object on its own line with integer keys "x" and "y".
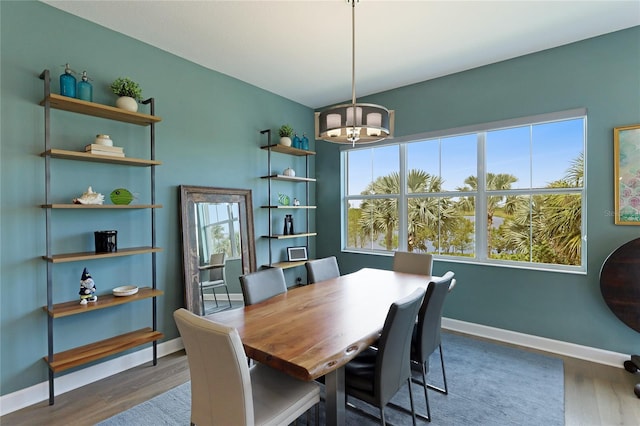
{"x": 335, "y": 412}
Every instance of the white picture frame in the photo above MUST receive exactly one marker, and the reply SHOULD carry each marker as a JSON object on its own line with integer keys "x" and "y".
{"x": 297, "y": 254}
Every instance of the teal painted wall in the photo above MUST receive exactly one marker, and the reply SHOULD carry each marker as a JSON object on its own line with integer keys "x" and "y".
{"x": 209, "y": 136}
{"x": 601, "y": 74}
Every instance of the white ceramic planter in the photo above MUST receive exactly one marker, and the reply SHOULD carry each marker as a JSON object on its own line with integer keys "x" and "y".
{"x": 286, "y": 141}
{"x": 127, "y": 103}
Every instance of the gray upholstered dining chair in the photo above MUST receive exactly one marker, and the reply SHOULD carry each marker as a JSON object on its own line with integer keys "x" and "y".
{"x": 262, "y": 285}
{"x": 426, "y": 336}
{"x": 322, "y": 269}
{"x": 217, "y": 277}
{"x": 225, "y": 391}
{"x": 412, "y": 263}
{"x": 375, "y": 376}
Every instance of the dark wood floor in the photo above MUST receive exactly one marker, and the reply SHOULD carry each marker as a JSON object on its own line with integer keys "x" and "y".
{"x": 594, "y": 395}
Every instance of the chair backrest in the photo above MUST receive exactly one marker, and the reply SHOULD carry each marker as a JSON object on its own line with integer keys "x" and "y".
{"x": 217, "y": 274}
{"x": 221, "y": 390}
{"x": 393, "y": 366}
{"x": 427, "y": 336}
{"x": 322, "y": 269}
{"x": 412, "y": 263}
{"x": 262, "y": 285}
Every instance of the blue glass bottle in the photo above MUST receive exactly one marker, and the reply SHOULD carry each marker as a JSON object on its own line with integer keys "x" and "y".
{"x": 85, "y": 89}
{"x": 296, "y": 142}
{"x": 67, "y": 83}
{"x": 305, "y": 142}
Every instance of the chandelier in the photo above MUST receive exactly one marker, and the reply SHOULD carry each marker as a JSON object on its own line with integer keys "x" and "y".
{"x": 354, "y": 123}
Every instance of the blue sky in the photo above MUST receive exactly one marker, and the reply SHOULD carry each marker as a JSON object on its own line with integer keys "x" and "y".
{"x": 552, "y": 149}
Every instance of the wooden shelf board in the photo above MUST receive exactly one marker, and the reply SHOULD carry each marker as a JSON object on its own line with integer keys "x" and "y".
{"x": 288, "y": 150}
{"x": 85, "y": 156}
{"x": 289, "y": 178}
{"x": 286, "y": 265}
{"x": 283, "y": 237}
{"x": 101, "y": 206}
{"x": 288, "y": 207}
{"x": 104, "y": 348}
{"x": 74, "y": 257}
{"x": 66, "y": 103}
{"x": 65, "y": 309}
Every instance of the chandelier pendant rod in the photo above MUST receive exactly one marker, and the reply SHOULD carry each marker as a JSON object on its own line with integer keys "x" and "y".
{"x": 353, "y": 53}
{"x": 354, "y": 138}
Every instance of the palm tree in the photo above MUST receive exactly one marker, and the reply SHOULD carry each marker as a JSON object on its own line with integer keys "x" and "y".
{"x": 495, "y": 182}
{"x": 549, "y": 225}
{"x": 380, "y": 216}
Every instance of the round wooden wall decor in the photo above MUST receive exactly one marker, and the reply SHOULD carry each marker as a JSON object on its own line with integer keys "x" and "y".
{"x": 620, "y": 283}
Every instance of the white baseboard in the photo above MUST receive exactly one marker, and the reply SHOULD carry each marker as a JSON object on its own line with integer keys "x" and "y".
{"x": 40, "y": 392}
{"x": 572, "y": 350}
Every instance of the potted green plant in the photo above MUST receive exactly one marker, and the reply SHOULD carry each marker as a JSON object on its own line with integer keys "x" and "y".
{"x": 129, "y": 93}
{"x": 286, "y": 131}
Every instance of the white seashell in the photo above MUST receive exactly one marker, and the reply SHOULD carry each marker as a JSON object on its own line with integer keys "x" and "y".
{"x": 89, "y": 197}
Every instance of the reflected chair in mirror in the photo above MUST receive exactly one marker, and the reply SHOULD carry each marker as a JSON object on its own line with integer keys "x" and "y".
{"x": 217, "y": 278}
{"x": 412, "y": 263}
{"x": 375, "y": 376}
{"x": 262, "y": 285}
{"x": 322, "y": 269}
{"x": 426, "y": 335}
{"x": 228, "y": 392}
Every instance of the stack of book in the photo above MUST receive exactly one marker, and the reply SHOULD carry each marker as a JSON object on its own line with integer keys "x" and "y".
{"x": 114, "y": 151}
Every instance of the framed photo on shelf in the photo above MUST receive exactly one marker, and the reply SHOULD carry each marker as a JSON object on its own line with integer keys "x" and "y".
{"x": 297, "y": 254}
{"x": 626, "y": 148}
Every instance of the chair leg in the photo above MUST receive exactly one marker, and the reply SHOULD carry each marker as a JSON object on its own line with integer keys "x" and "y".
{"x": 444, "y": 376}
{"x": 215, "y": 297}
{"x": 202, "y": 300}
{"x": 413, "y": 408}
{"x": 424, "y": 386}
{"x": 383, "y": 422}
{"x": 413, "y": 412}
{"x": 228, "y": 297}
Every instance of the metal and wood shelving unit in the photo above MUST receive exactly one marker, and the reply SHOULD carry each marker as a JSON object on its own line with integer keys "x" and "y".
{"x": 306, "y": 180}
{"x": 81, "y": 355}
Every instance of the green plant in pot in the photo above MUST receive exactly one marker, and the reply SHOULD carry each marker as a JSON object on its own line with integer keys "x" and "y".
{"x": 129, "y": 93}
{"x": 286, "y": 131}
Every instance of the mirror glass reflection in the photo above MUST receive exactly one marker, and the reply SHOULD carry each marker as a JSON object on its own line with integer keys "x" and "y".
{"x": 218, "y": 245}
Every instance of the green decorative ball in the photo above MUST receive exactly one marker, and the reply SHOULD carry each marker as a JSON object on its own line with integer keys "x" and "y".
{"x": 121, "y": 196}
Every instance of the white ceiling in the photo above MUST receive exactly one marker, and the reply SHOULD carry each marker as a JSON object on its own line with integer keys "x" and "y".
{"x": 301, "y": 49}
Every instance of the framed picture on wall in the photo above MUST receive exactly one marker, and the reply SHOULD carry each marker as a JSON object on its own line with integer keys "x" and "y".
{"x": 626, "y": 148}
{"x": 296, "y": 254}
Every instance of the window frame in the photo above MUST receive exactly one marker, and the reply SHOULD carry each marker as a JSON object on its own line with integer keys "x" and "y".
{"x": 481, "y": 232}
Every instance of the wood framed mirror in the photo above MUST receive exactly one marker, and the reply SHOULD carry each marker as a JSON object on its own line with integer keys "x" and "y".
{"x": 214, "y": 220}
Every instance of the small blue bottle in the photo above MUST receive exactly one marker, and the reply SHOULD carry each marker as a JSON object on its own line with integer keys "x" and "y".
{"x": 85, "y": 89}
{"x": 297, "y": 143}
{"x": 305, "y": 142}
{"x": 67, "y": 83}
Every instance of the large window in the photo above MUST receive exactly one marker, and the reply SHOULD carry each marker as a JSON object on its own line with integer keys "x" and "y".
{"x": 506, "y": 193}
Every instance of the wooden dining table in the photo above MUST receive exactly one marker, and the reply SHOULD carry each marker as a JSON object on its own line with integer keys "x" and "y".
{"x": 314, "y": 330}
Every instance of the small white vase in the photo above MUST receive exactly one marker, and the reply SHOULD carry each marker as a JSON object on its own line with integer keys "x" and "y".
{"x": 127, "y": 103}
{"x": 289, "y": 172}
{"x": 103, "y": 140}
{"x": 285, "y": 140}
